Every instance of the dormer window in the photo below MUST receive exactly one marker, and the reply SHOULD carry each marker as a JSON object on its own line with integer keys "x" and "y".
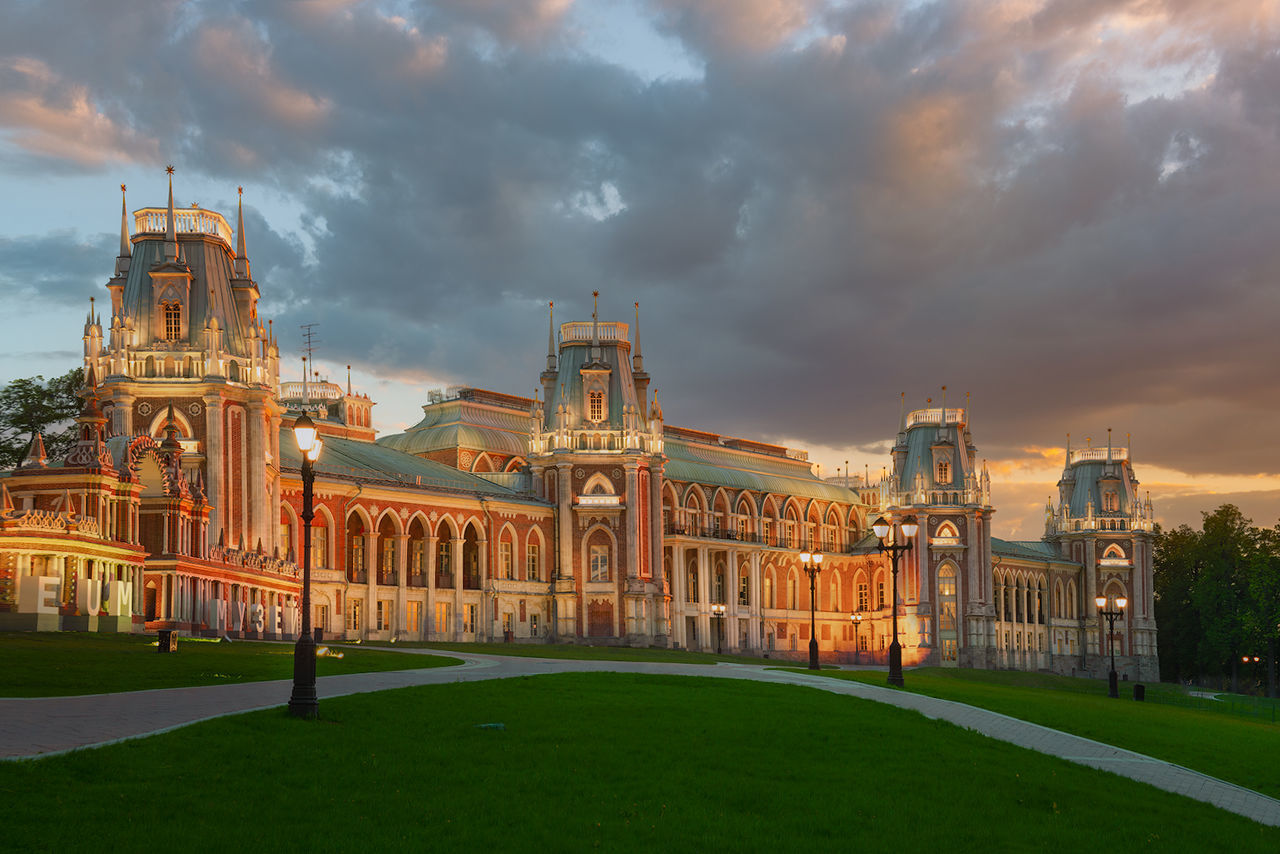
{"x": 1110, "y": 502}
{"x": 172, "y": 321}
{"x": 595, "y": 406}
{"x": 944, "y": 471}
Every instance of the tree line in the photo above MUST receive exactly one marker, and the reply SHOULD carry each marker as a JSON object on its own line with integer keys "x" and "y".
{"x": 1218, "y": 602}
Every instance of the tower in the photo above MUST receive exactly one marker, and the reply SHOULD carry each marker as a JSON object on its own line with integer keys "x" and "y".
{"x": 945, "y": 583}
{"x": 1103, "y": 523}
{"x": 597, "y": 455}
{"x": 184, "y": 330}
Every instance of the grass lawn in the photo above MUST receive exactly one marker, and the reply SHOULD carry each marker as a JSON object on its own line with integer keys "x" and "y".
{"x": 582, "y": 652}
{"x": 50, "y": 664}
{"x": 617, "y": 762}
{"x": 1240, "y": 750}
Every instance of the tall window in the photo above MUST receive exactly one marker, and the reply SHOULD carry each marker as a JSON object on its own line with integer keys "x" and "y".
{"x": 356, "y": 560}
{"x": 768, "y": 591}
{"x": 319, "y": 546}
{"x": 946, "y": 600}
{"x": 1110, "y": 502}
{"x": 531, "y": 563}
{"x": 595, "y": 406}
{"x": 743, "y": 590}
{"x": 944, "y": 471}
{"x": 354, "y": 606}
{"x": 442, "y": 617}
{"x": 413, "y": 617}
{"x": 172, "y": 321}
{"x": 881, "y": 600}
{"x": 792, "y": 592}
{"x": 444, "y": 564}
{"x": 286, "y": 536}
{"x": 599, "y": 563}
{"x": 505, "y": 561}
{"x": 864, "y": 596}
{"x": 533, "y": 625}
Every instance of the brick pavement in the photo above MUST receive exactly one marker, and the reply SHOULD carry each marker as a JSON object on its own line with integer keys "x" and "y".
{"x": 49, "y": 725}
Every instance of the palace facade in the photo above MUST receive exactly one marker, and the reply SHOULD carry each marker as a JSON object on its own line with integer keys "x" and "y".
{"x": 577, "y": 516}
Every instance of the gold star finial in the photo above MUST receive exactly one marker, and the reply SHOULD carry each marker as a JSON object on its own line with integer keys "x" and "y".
{"x": 169, "y": 169}
{"x": 239, "y": 191}
{"x": 122, "y": 188}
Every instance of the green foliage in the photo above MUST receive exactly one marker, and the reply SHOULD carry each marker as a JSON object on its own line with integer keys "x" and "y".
{"x": 595, "y": 762}
{"x": 32, "y": 404}
{"x": 1217, "y": 595}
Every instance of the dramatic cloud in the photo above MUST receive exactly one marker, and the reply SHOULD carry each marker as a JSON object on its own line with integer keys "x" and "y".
{"x": 1067, "y": 209}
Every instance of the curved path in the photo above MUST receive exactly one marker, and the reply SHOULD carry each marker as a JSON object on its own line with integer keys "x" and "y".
{"x": 46, "y": 726}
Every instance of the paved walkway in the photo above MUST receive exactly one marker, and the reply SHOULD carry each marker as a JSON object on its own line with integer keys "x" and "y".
{"x": 50, "y": 725}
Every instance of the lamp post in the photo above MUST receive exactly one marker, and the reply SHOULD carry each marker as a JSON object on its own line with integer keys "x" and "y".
{"x": 1113, "y": 685}
{"x": 717, "y": 611}
{"x": 303, "y": 702}
{"x": 884, "y": 529}
{"x": 856, "y": 619}
{"x": 813, "y": 565}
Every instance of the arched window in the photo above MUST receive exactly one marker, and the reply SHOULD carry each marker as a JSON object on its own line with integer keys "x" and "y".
{"x": 768, "y": 590}
{"x": 595, "y": 406}
{"x": 882, "y": 599}
{"x": 793, "y": 589}
{"x": 864, "y": 595}
{"x": 172, "y": 321}
{"x": 1110, "y": 501}
{"x": 944, "y": 471}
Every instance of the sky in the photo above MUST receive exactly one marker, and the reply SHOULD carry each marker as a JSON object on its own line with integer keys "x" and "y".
{"x": 1066, "y": 210}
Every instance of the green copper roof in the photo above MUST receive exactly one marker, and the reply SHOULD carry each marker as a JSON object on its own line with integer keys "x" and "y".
{"x": 348, "y": 458}
{"x": 694, "y": 462}
{"x": 461, "y": 424}
{"x": 1028, "y": 550}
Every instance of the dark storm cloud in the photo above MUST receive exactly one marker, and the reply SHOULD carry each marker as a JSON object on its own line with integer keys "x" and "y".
{"x": 1068, "y": 214}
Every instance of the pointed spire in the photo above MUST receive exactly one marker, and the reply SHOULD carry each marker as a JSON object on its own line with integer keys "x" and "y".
{"x": 170, "y": 227}
{"x": 6, "y": 500}
{"x": 348, "y": 380}
{"x": 126, "y": 246}
{"x": 241, "y": 263}
{"x": 1067, "y": 464}
{"x": 36, "y": 457}
{"x": 902, "y": 414}
{"x": 305, "y": 398}
{"x": 637, "y": 361}
{"x": 551, "y": 336}
{"x": 1108, "y": 444}
{"x": 595, "y": 326}
{"x": 967, "y": 419}
{"x": 171, "y": 444}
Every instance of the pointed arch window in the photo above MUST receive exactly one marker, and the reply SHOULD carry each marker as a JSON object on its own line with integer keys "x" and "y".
{"x": 595, "y": 406}
{"x": 944, "y": 471}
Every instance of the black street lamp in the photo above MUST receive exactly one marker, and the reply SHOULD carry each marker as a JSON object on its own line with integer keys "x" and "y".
{"x": 856, "y": 619}
{"x": 813, "y": 565}
{"x": 888, "y": 544}
{"x": 1113, "y": 683}
{"x": 303, "y": 702}
{"x": 717, "y": 611}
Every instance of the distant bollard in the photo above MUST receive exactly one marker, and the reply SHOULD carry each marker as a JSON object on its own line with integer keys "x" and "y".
{"x": 167, "y": 641}
{"x": 1139, "y": 692}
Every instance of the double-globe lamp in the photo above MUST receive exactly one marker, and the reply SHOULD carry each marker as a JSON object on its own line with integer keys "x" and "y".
{"x": 888, "y": 543}
{"x": 813, "y": 565}
{"x": 1112, "y": 614}
{"x": 303, "y": 702}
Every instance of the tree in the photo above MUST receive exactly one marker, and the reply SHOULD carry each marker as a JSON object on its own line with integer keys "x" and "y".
{"x": 31, "y": 405}
{"x": 1217, "y": 597}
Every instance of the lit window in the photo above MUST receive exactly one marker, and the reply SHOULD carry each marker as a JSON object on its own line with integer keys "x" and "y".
{"x": 599, "y": 563}
{"x": 531, "y": 563}
{"x": 880, "y": 597}
{"x": 442, "y": 617}
{"x": 172, "y": 321}
{"x": 944, "y": 471}
{"x": 595, "y": 406}
{"x": 353, "y": 614}
{"x": 505, "y": 561}
{"x": 864, "y": 596}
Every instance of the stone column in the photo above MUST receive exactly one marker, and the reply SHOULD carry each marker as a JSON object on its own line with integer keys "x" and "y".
{"x": 756, "y": 607}
{"x": 455, "y": 558}
{"x": 484, "y": 611}
{"x": 213, "y": 474}
{"x": 429, "y": 621}
{"x": 705, "y": 569}
{"x": 402, "y": 581}
{"x": 679, "y": 595}
{"x": 256, "y": 496}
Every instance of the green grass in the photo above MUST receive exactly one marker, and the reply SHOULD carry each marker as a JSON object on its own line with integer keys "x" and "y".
{"x": 581, "y": 652}
{"x": 1231, "y": 748}
{"x": 616, "y": 762}
{"x": 51, "y": 664}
